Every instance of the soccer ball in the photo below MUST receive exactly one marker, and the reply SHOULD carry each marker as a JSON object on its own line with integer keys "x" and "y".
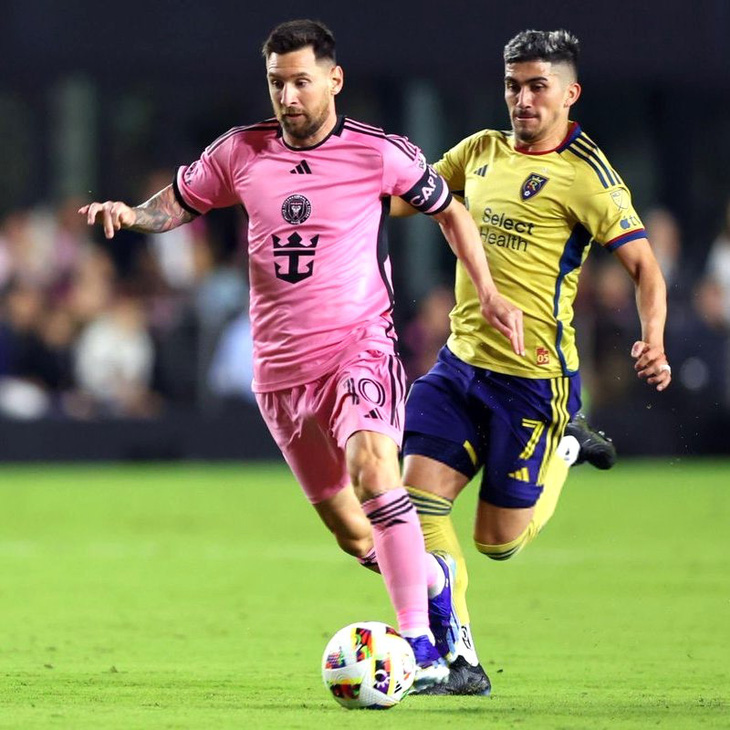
{"x": 368, "y": 665}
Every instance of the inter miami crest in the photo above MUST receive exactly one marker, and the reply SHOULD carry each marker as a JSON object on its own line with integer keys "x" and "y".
{"x": 296, "y": 209}
{"x": 532, "y": 186}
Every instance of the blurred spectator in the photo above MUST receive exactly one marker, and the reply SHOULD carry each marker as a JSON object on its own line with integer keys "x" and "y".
{"x": 22, "y": 390}
{"x": 114, "y": 359}
{"x": 35, "y": 361}
{"x": 427, "y": 333}
{"x": 43, "y": 246}
{"x": 221, "y": 294}
{"x": 698, "y": 342}
{"x": 614, "y": 331}
{"x": 91, "y": 287}
{"x": 68, "y": 241}
{"x": 231, "y": 370}
{"x": 663, "y": 232}
{"x": 698, "y": 404}
{"x": 188, "y": 338}
{"x": 57, "y": 332}
{"x": 718, "y": 264}
{"x": 17, "y": 249}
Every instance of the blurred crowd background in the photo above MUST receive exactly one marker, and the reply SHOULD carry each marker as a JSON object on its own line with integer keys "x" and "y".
{"x": 154, "y": 330}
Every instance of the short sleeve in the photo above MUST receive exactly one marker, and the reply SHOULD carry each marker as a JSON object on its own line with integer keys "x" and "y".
{"x": 407, "y": 175}
{"x": 206, "y": 183}
{"x": 452, "y": 167}
{"x": 606, "y": 212}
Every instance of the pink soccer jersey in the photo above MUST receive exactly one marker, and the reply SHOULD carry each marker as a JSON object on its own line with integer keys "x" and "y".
{"x": 319, "y": 269}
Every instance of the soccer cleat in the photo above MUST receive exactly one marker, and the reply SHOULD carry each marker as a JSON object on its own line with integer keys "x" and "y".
{"x": 595, "y": 447}
{"x": 464, "y": 679}
{"x": 431, "y": 668}
{"x": 442, "y": 618}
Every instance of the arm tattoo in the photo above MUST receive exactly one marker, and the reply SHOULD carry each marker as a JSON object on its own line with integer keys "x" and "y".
{"x": 160, "y": 213}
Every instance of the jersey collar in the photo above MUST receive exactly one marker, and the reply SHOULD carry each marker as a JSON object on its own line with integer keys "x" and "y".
{"x": 336, "y": 131}
{"x": 574, "y": 131}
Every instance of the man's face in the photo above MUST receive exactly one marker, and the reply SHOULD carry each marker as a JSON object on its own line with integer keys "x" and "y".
{"x": 302, "y": 91}
{"x": 539, "y": 95}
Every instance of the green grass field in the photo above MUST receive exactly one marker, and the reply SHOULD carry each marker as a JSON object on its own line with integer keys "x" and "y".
{"x": 196, "y": 596}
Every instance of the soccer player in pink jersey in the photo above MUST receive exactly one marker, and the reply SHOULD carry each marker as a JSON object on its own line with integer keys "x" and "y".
{"x": 316, "y": 188}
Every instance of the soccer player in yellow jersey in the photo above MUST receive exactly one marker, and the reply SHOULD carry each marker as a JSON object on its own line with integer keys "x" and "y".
{"x": 539, "y": 195}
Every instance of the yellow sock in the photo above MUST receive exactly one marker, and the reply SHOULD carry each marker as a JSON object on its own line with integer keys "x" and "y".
{"x": 555, "y": 476}
{"x": 434, "y": 513}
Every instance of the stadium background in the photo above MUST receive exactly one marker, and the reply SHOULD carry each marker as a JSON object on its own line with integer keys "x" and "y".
{"x": 134, "y": 349}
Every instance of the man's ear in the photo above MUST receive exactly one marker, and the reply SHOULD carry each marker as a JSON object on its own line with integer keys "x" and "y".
{"x": 573, "y": 94}
{"x": 337, "y": 80}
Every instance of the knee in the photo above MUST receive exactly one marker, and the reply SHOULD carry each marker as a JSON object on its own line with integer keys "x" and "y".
{"x": 365, "y": 474}
{"x": 504, "y": 549}
{"x": 498, "y": 533}
{"x": 371, "y": 474}
{"x": 372, "y": 464}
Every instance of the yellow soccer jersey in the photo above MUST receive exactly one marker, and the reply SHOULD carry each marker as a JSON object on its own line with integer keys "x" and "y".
{"x": 537, "y": 214}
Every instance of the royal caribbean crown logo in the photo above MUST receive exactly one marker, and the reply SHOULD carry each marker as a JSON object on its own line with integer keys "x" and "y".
{"x": 532, "y": 186}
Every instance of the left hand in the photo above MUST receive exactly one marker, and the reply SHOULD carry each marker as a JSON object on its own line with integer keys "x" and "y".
{"x": 506, "y": 318}
{"x": 651, "y": 364}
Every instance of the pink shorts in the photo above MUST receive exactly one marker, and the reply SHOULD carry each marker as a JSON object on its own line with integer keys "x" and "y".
{"x": 311, "y": 423}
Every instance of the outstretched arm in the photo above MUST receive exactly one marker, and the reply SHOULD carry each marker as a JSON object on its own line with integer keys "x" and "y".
{"x": 462, "y": 234}
{"x": 651, "y": 301}
{"x": 160, "y": 213}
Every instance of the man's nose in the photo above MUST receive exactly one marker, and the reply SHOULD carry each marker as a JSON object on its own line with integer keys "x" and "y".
{"x": 524, "y": 98}
{"x": 288, "y": 95}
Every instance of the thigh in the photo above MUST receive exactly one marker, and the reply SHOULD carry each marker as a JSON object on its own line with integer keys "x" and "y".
{"x": 298, "y": 423}
{"x": 434, "y": 476}
{"x": 368, "y": 394}
{"x": 530, "y": 416}
{"x": 499, "y": 525}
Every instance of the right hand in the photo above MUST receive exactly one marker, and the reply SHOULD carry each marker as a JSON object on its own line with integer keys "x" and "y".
{"x": 506, "y": 318}
{"x": 651, "y": 364}
{"x": 112, "y": 215}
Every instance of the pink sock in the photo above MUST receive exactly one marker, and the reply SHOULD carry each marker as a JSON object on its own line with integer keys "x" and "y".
{"x": 370, "y": 561}
{"x": 401, "y": 557}
{"x": 435, "y": 578}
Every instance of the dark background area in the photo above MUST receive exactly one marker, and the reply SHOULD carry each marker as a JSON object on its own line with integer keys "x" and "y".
{"x": 94, "y": 99}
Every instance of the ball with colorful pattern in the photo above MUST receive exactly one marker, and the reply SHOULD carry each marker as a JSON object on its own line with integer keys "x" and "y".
{"x": 368, "y": 665}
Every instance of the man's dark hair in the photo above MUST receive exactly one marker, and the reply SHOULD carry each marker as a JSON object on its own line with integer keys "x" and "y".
{"x": 556, "y": 46}
{"x": 297, "y": 34}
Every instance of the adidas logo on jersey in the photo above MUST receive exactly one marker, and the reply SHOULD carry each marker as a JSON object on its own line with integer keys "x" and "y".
{"x": 301, "y": 169}
{"x": 481, "y": 171}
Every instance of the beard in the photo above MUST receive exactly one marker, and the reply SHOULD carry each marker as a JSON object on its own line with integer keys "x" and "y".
{"x": 304, "y": 127}
{"x": 524, "y": 137}
{"x": 525, "y": 134}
